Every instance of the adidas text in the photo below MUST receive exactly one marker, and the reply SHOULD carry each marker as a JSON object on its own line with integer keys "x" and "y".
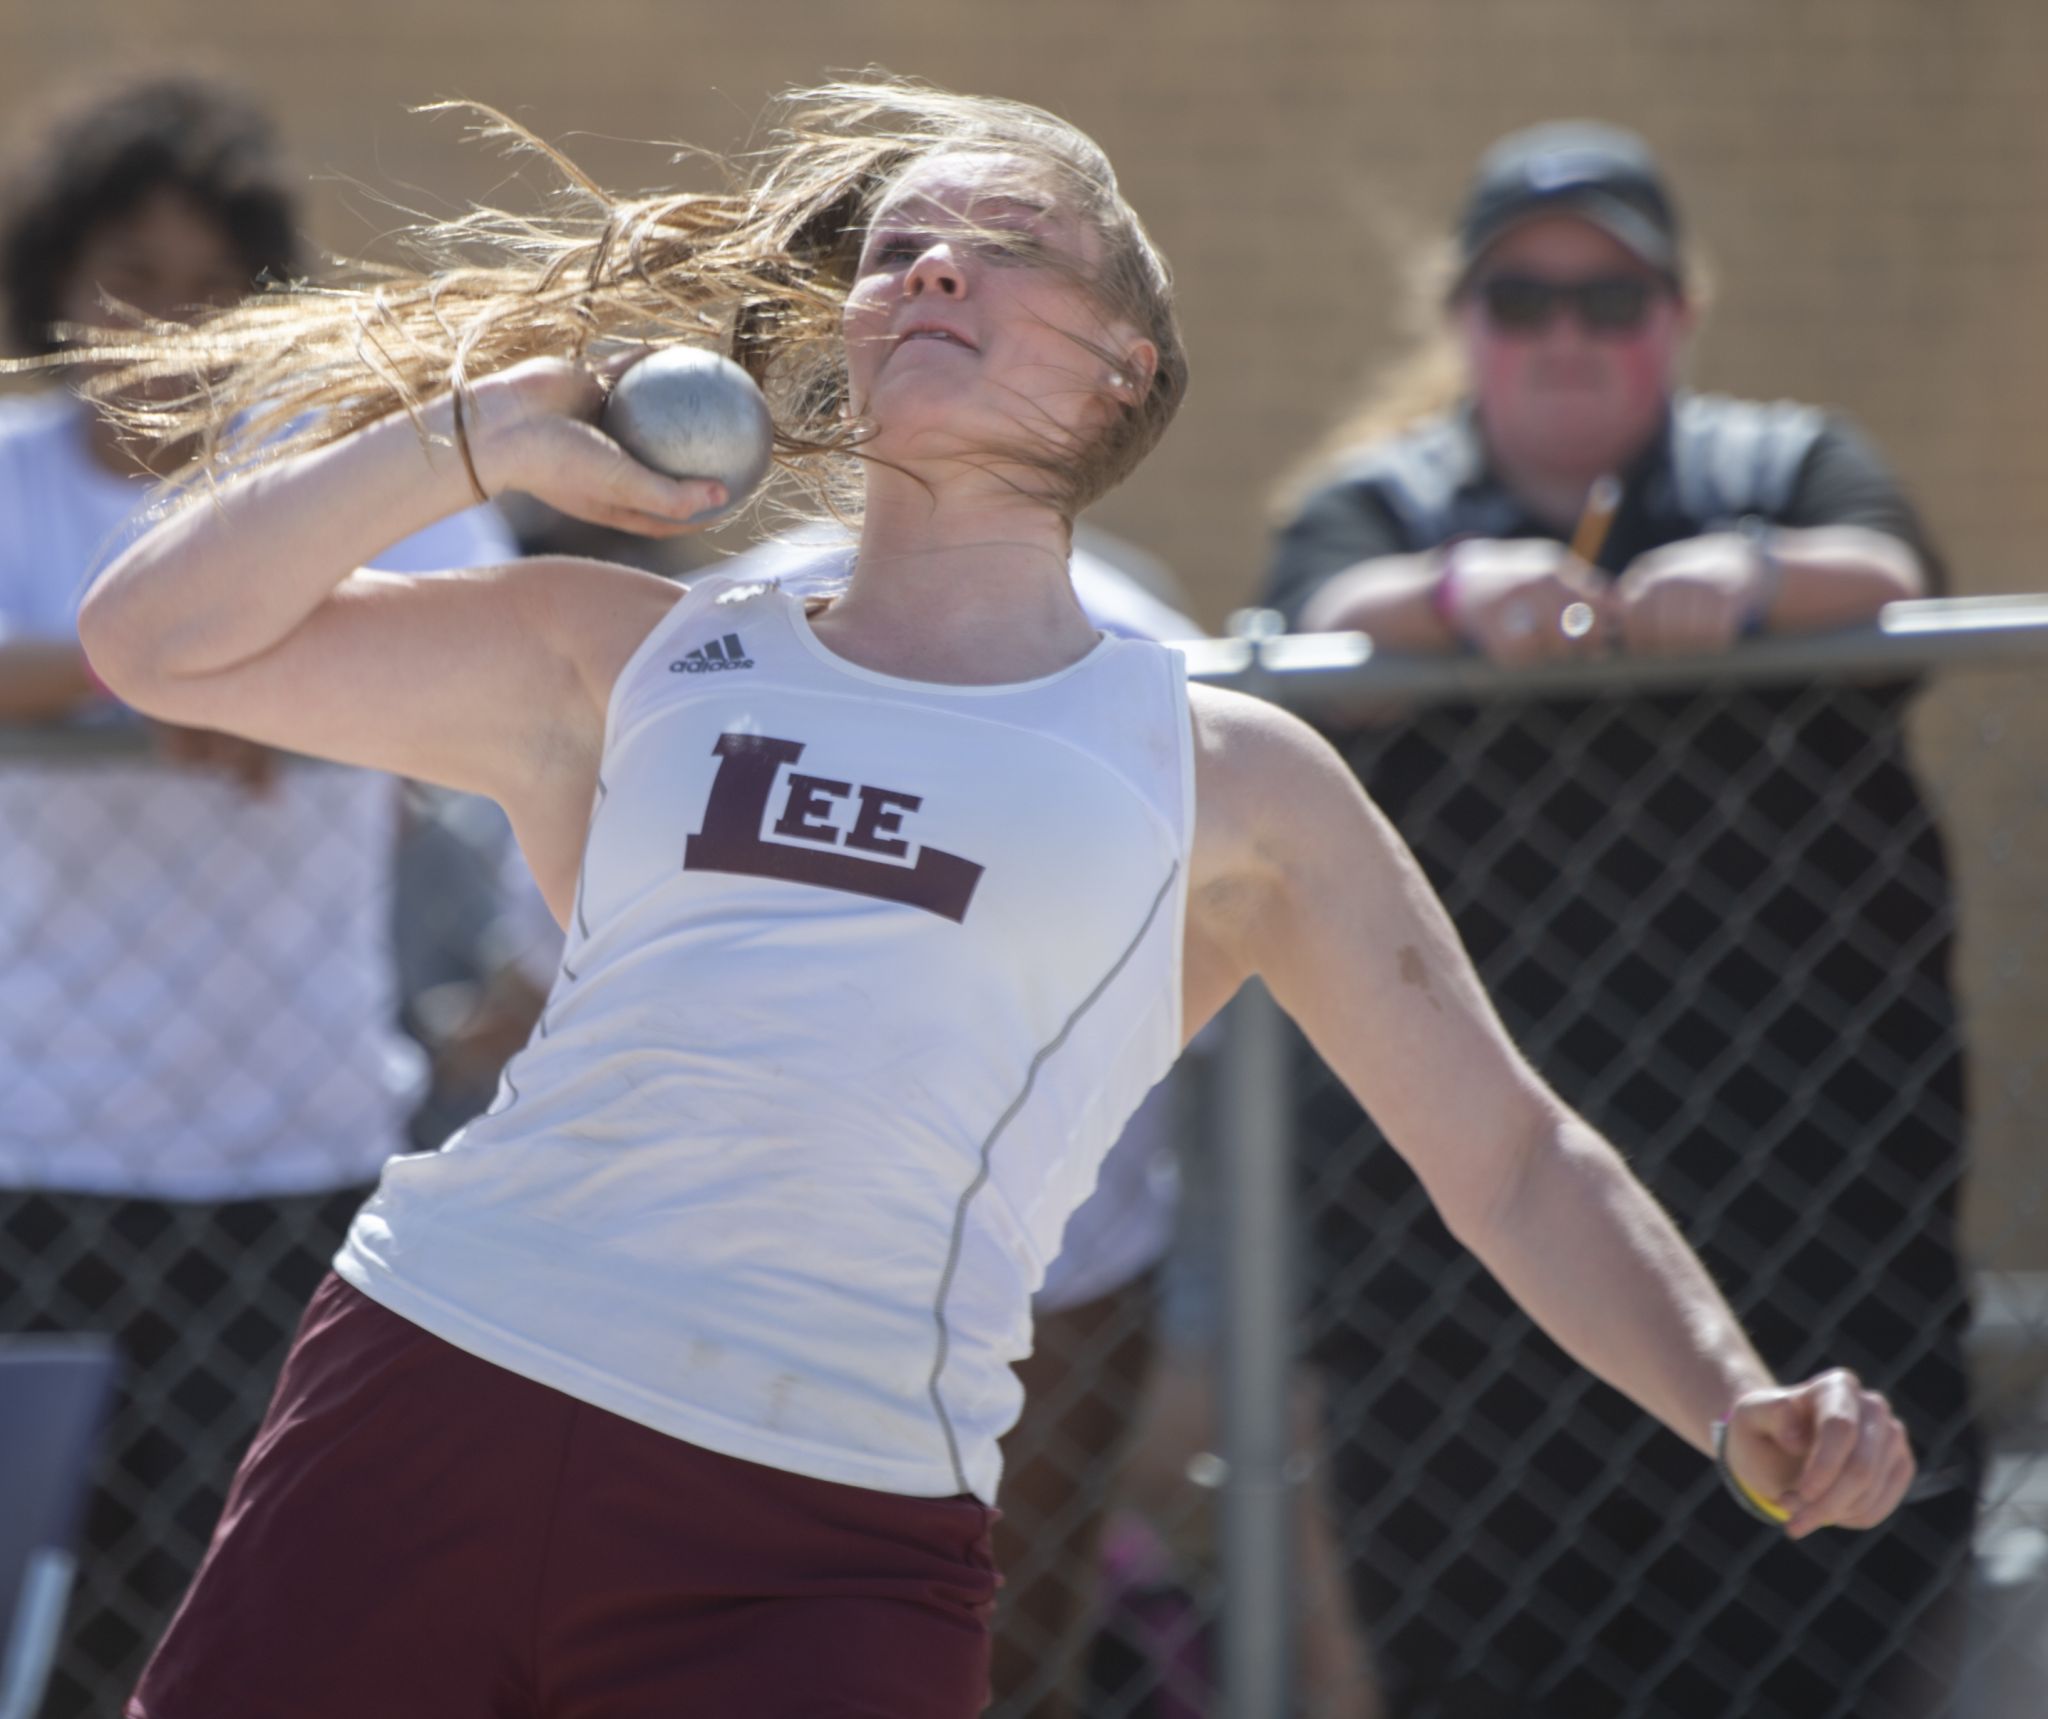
{"x": 725, "y": 653}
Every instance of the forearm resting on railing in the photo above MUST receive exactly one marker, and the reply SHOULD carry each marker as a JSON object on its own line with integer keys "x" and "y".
{"x": 1838, "y": 576}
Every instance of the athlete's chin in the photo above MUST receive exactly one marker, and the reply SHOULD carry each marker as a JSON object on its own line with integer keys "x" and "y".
{"x": 929, "y": 441}
{"x": 917, "y": 399}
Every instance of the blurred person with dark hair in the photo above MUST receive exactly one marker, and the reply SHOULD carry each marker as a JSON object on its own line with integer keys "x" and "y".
{"x": 198, "y": 1039}
{"x": 1720, "y": 921}
{"x": 160, "y": 197}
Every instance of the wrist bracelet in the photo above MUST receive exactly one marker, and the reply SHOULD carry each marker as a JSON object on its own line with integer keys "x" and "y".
{"x": 1762, "y": 1508}
{"x": 1770, "y": 571}
{"x": 456, "y": 400}
{"x": 1443, "y": 591}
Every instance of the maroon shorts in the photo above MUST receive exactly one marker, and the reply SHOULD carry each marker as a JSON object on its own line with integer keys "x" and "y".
{"x": 418, "y": 1534}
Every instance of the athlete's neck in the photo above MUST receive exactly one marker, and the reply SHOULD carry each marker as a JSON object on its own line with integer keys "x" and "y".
{"x": 961, "y": 590}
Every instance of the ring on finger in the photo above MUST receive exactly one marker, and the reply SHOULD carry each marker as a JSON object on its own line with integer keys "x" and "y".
{"x": 1576, "y": 621}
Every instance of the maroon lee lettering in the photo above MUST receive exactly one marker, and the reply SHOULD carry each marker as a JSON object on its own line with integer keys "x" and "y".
{"x": 829, "y": 857}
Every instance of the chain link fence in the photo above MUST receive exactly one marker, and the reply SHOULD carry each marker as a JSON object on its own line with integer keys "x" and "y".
{"x": 201, "y": 1069}
{"x": 1388, "y": 1497}
{"x": 1719, "y": 915}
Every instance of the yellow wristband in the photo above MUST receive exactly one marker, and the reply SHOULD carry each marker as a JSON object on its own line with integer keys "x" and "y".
{"x": 1762, "y": 1508}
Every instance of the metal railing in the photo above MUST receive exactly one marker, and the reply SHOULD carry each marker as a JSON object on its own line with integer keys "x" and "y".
{"x": 1305, "y": 670}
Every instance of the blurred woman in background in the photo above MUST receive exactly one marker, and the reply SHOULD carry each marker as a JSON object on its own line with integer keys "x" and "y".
{"x": 199, "y": 1048}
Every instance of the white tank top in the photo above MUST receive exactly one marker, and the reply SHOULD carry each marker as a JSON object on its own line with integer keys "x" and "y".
{"x": 863, "y": 978}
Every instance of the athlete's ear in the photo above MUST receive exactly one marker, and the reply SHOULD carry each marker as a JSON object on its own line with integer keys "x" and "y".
{"x": 1131, "y": 381}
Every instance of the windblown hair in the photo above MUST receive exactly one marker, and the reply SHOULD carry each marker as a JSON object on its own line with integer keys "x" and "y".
{"x": 759, "y": 270}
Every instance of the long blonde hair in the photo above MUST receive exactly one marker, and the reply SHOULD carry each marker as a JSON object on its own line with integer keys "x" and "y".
{"x": 759, "y": 269}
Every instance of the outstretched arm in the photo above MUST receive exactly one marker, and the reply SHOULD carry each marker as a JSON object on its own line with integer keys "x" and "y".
{"x": 1299, "y": 879}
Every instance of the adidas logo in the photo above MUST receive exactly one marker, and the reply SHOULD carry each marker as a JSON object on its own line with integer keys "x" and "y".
{"x": 725, "y": 653}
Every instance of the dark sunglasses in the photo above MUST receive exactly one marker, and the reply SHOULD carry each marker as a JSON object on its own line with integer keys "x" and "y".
{"x": 1610, "y": 304}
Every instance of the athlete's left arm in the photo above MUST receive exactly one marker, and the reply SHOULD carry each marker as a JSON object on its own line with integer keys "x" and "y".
{"x": 1299, "y": 879}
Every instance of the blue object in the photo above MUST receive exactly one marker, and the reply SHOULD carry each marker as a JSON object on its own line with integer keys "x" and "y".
{"x": 54, "y": 1397}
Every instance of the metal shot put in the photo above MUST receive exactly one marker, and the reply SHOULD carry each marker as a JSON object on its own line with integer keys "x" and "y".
{"x": 694, "y": 414}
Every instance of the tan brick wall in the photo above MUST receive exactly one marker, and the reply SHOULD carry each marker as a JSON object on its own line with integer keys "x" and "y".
{"x": 1870, "y": 178}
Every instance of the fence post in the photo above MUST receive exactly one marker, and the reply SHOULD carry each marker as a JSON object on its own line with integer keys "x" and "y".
{"x": 1256, "y": 1163}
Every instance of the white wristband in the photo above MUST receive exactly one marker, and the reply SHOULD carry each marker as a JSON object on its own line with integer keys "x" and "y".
{"x": 1761, "y": 536}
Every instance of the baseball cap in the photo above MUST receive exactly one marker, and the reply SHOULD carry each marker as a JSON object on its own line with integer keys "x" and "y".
{"x": 1600, "y": 173}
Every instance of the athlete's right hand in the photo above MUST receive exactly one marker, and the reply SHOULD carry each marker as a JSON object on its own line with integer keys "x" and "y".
{"x": 533, "y": 427}
{"x": 1529, "y": 600}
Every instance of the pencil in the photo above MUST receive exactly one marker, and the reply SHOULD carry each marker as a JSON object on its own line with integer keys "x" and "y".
{"x": 1589, "y": 537}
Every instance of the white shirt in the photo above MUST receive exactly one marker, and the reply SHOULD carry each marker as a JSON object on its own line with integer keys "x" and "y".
{"x": 197, "y": 998}
{"x": 1126, "y": 1224}
{"x": 863, "y": 978}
